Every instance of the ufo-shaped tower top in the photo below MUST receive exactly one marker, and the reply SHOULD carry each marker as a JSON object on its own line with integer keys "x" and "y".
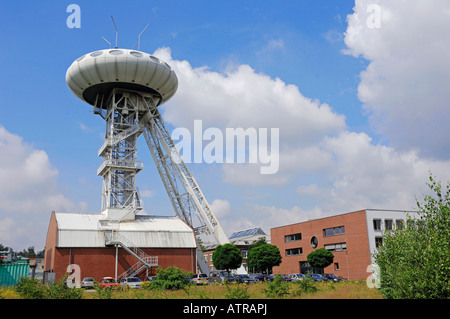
{"x": 102, "y": 71}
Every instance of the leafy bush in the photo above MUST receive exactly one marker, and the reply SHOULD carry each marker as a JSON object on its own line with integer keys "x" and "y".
{"x": 59, "y": 290}
{"x": 30, "y": 288}
{"x": 239, "y": 291}
{"x": 306, "y": 285}
{"x": 278, "y": 288}
{"x": 103, "y": 292}
{"x": 171, "y": 278}
{"x": 414, "y": 260}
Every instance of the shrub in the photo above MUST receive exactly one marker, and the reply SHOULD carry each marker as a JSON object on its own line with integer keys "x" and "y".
{"x": 171, "y": 278}
{"x": 414, "y": 261}
{"x": 30, "y": 288}
{"x": 306, "y": 285}
{"x": 239, "y": 291}
{"x": 278, "y": 288}
{"x": 59, "y": 290}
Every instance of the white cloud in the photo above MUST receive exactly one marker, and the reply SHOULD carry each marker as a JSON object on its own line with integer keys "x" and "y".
{"x": 28, "y": 192}
{"x": 242, "y": 98}
{"x": 404, "y": 88}
{"x": 221, "y": 208}
{"x": 338, "y": 170}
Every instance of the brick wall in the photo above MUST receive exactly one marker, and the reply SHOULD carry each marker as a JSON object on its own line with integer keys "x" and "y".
{"x": 356, "y": 255}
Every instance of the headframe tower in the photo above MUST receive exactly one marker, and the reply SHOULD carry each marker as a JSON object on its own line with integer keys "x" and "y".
{"x": 125, "y": 87}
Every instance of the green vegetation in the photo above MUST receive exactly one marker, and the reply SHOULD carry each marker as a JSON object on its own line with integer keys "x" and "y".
{"x": 330, "y": 290}
{"x": 171, "y": 278}
{"x": 227, "y": 257}
{"x": 414, "y": 261}
{"x": 28, "y": 288}
{"x": 263, "y": 257}
{"x": 320, "y": 258}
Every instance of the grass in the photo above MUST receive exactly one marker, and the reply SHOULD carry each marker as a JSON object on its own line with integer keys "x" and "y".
{"x": 342, "y": 290}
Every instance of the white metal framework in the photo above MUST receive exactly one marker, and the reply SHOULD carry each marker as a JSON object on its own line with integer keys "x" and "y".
{"x": 128, "y": 114}
{"x": 126, "y": 87}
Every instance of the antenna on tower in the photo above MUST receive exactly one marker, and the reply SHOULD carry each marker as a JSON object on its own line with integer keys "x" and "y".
{"x": 107, "y": 41}
{"x": 117, "y": 31}
{"x": 139, "y": 39}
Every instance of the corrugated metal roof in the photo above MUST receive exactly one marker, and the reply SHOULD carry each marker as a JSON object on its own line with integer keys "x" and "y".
{"x": 83, "y": 230}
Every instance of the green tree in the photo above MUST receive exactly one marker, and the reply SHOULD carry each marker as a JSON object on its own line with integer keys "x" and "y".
{"x": 320, "y": 258}
{"x": 263, "y": 258}
{"x": 171, "y": 278}
{"x": 414, "y": 261}
{"x": 227, "y": 257}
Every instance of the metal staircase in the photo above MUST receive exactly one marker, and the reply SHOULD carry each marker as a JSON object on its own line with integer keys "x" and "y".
{"x": 113, "y": 237}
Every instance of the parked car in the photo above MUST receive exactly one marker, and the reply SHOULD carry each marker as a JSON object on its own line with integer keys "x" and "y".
{"x": 200, "y": 279}
{"x": 245, "y": 279}
{"x": 260, "y": 277}
{"x": 132, "y": 282}
{"x": 220, "y": 276}
{"x": 272, "y": 277}
{"x": 88, "y": 282}
{"x": 316, "y": 277}
{"x": 151, "y": 278}
{"x": 295, "y": 277}
{"x": 333, "y": 277}
{"x": 109, "y": 282}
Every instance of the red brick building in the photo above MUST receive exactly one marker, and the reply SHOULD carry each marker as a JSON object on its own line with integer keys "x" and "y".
{"x": 352, "y": 237}
{"x": 85, "y": 240}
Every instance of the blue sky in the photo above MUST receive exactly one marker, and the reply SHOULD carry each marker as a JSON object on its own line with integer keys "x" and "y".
{"x": 358, "y": 155}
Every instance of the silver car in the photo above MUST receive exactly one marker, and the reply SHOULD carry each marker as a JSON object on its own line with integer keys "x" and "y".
{"x": 88, "y": 282}
{"x": 132, "y": 282}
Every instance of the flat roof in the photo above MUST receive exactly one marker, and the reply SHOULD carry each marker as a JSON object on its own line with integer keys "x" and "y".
{"x": 353, "y": 212}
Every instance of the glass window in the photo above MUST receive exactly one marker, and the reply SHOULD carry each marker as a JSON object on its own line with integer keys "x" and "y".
{"x": 334, "y": 231}
{"x": 97, "y": 53}
{"x": 294, "y": 251}
{"x": 154, "y": 59}
{"x": 314, "y": 242}
{"x": 293, "y": 237}
{"x": 388, "y": 224}
{"x": 378, "y": 241}
{"x": 136, "y": 54}
{"x": 377, "y": 224}
{"x": 115, "y": 52}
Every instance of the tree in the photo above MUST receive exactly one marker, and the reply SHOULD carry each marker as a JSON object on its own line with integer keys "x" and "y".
{"x": 263, "y": 258}
{"x": 320, "y": 258}
{"x": 170, "y": 278}
{"x": 227, "y": 257}
{"x": 414, "y": 261}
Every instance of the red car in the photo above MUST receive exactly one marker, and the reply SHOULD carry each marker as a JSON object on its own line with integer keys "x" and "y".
{"x": 108, "y": 282}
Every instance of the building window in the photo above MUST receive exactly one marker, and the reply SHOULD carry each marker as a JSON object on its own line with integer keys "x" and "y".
{"x": 377, "y": 224}
{"x": 336, "y": 266}
{"x": 334, "y": 231}
{"x": 399, "y": 223}
{"x": 294, "y": 251}
{"x": 336, "y": 247}
{"x": 378, "y": 241}
{"x": 314, "y": 242}
{"x": 388, "y": 224}
{"x": 293, "y": 237}
{"x": 244, "y": 254}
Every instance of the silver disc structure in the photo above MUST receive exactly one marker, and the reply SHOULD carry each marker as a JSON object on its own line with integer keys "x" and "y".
{"x": 125, "y": 88}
